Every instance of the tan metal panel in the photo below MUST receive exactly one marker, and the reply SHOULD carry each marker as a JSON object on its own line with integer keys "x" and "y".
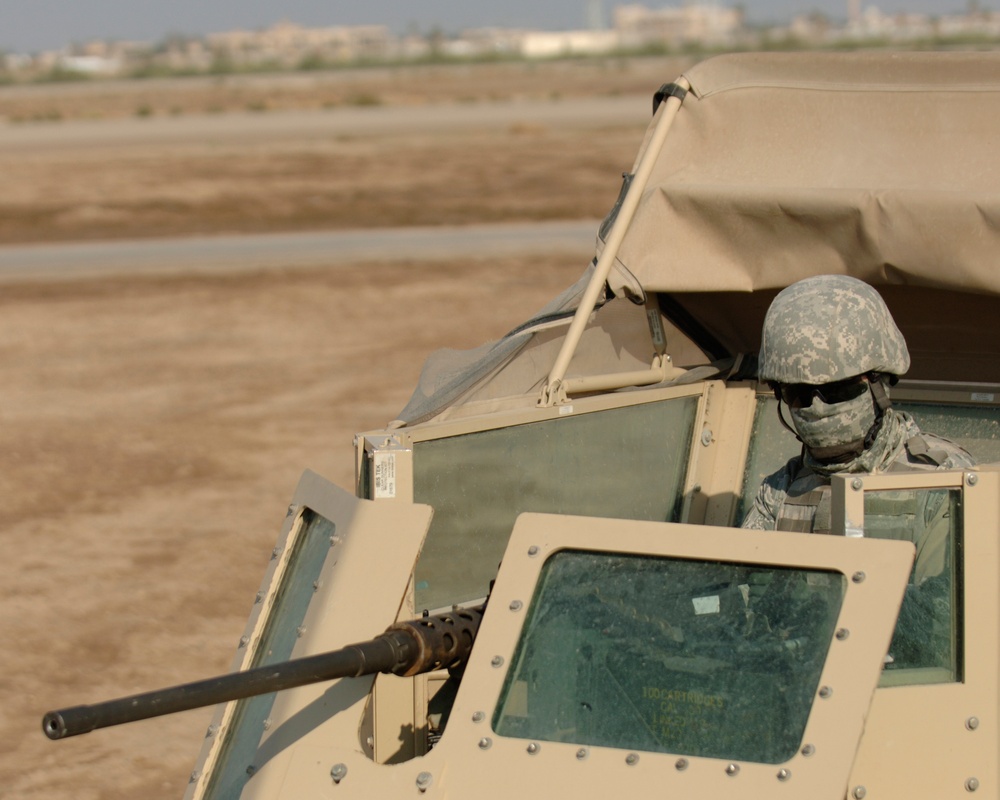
{"x": 472, "y": 761}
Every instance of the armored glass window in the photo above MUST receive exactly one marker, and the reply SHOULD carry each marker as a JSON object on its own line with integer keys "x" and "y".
{"x": 671, "y": 655}
{"x": 312, "y": 544}
{"x": 925, "y": 646}
{"x": 626, "y": 463}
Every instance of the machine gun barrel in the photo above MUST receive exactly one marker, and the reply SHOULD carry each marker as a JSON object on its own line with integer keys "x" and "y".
{"x": 407, "y": 648}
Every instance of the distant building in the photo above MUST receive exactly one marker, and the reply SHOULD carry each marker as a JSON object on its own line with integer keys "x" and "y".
{"x": 545, "y": 44}
{"x": 288, "y": 44}
{"x": 639, "y": 26}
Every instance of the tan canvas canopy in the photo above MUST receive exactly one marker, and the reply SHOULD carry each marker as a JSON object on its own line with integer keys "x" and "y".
{"x": 885, "y": 166}
{"x": 760, "y": 169}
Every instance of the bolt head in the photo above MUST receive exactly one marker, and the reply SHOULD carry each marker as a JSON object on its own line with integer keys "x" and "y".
{"x": 632, "y": 759}
{"x": 581, "y": 754}
{"x": 842, "y": 634}
{"x": 424, "y": 780}
{"x": 825, "y": 692}
{"x": 859, "y": 793}
{"x": 972, "y": 479}
{"x": 857, "y": 484}
{"x": 681, "y": 764}
{"x": 784, "y": 774}
{"x": 532, "y": 551}
{"x": 972, "y": 723}
{"x": 497, "y": 661}
{"x": 478, "y": 716}
{"x": 533, "y": 748}
{"x": 485, "y": 743}
{"x": 858, "y": 577}
{"x": 808, "y": 750}
{"x": 972, "y": 784}
{"x": 732, "y": 770}
{"x": 337, "y": 772}
{"x": 516, "y": 605}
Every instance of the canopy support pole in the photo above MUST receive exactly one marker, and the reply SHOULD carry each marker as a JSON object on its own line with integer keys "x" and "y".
{"x": 554, "y": 391}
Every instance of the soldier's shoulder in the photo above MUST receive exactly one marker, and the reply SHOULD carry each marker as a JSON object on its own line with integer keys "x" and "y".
{"x": 936, "y": 452}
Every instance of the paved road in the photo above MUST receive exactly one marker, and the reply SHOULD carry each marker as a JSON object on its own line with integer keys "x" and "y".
{"x": 212, "y": 254}
{"x": 585, "y": 113}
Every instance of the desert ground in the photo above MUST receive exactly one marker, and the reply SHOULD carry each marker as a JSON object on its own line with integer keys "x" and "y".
{"x": 154, "y": 426}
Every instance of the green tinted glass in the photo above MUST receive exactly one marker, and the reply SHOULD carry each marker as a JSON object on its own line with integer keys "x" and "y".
{"x": 627, "y": 463}
{"x": 671, "y": 655}
{"x": 925, "y": 645}
{"x": 279, "y": 636}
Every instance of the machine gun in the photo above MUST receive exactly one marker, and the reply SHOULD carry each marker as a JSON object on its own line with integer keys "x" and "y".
{"x": 443, "y": 641}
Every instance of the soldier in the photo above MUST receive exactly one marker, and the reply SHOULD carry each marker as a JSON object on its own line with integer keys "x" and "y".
{"x": 830, "y": 350}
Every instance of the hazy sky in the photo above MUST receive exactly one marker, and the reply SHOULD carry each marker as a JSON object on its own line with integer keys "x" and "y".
{"x": 31, "y": 25}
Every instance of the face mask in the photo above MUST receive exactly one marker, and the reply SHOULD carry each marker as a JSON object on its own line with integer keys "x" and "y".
{"x": 835, "y": 431}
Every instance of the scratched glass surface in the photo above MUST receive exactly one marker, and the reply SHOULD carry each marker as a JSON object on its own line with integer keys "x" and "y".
{"x": 627, "y": 463}
{"x": 926, "y": 645}
{"x": 696, "y": 658}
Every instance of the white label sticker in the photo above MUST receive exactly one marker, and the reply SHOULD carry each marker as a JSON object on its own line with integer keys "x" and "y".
{"x": 385, "y": 475}
{"x": 706, "y": 605}
{"x": 982, "y": 397}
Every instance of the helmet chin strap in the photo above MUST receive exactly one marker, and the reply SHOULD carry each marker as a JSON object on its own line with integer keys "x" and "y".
{"x": 784, "y": 422}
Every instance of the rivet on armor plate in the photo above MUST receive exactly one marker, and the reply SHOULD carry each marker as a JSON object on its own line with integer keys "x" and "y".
{"x": 859, "y": 793}
{"x": 581, "y": 754}
{"x": 631, "y": 759}
{"x": 516, "y": 605}
{"x": 972, "y": 723}
{"x": 337, "y": 772}
{"x": 842, "y": 634}
{"x": 808, "y": 750}
{"x": 533, "y": 748}
{"x": 858, "y": 577}
{"x": 244, "y": 641}
{"x": 784, "y": 774}
{"x": 479, "y": 716}
{"x": 485, "y": 742}
{"x": 825, "y": 692}
{"x": 857, "y": 484}
{"x": 972, "y": 478}
{"x": 532, "y": 551}
{"x": 972, "y": 784}
{"x": 497, "y": 661}
{"x": 732, "y": 770}
{"x": 424, "y": 780}
{"x": 194, "y": 777}
{"x": 681, "y": 764}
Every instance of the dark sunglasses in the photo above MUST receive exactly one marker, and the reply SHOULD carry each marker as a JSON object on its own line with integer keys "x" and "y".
{"x": 800, "y": 395}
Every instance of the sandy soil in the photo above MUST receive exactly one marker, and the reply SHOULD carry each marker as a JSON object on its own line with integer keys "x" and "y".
{"x": 154, "y": 428}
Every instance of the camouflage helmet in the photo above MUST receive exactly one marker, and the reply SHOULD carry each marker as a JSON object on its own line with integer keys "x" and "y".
{"x": 829, "y": 328}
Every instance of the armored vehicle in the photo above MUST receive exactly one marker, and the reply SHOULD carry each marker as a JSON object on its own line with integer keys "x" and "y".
{"x": 549, "y": 530}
